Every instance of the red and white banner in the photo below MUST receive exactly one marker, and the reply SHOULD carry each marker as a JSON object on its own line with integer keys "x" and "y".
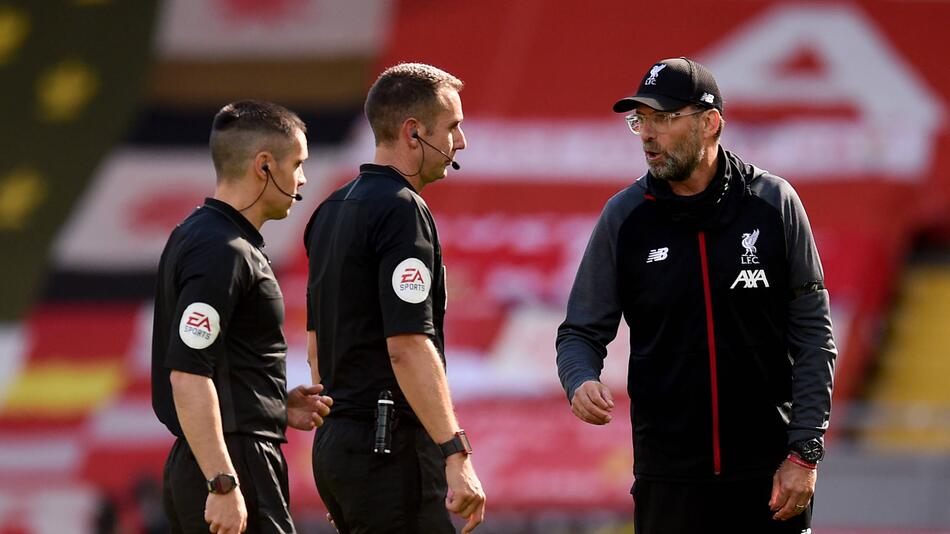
{"x": 138, "y": 196}
{"x": 259, "y": 29}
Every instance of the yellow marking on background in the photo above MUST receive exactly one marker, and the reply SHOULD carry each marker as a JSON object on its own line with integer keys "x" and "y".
{"x": 62, "y": 389}
{"x": 909, "y": 399}
{"x": 21, "y": 192}
{"x": 65, "y": 90}
{"x": 14, "y": 26}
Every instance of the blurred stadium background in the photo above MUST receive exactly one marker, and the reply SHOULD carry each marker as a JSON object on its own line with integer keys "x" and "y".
{"x": 106, "y": 109}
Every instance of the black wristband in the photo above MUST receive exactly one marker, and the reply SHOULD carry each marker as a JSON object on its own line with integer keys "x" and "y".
{"x": 459, "y": 443}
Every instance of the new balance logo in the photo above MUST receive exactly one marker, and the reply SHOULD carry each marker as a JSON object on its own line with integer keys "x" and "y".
{"x": 657, "y": 254}
{"x": 751, "y": 278}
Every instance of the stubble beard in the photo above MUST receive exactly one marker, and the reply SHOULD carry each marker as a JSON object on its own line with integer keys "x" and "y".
{"x": 681, "y": 160}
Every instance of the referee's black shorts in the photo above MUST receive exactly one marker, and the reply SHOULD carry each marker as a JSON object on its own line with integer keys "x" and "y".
{"x": 262, "y": 474}
{"x": 402, "y": 492}
{"x": 711, "y": 507}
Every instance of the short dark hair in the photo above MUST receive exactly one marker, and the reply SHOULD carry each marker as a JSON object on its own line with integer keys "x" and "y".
{"x": 241, "y": 129}
{"x": 402, "y": 91}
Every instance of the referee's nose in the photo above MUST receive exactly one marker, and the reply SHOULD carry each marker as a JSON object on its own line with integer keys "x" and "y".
{"x": 460, "y": 141}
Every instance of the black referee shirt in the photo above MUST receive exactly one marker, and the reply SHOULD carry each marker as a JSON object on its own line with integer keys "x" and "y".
{"x": 218, "y": 313}
{"x": 375, "y": 272}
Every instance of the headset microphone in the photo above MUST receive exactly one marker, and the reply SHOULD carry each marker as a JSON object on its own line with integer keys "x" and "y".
{"x": 455, "y": 165}
{"x": 297, "y": 196}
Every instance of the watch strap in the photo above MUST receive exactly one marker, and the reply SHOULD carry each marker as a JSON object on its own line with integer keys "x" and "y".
{"x": 795, "y": 459}
{"x": 458, "y": 443}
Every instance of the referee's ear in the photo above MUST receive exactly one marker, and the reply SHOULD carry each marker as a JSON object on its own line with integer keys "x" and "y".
{"x": 410, "y": 132}
{"x": 262, "y": 164}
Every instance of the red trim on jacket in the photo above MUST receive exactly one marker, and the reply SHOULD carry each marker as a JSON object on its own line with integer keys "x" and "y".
{"x": 711, "y": 340}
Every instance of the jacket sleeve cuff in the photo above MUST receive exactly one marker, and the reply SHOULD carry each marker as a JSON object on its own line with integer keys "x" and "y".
{"x": 797, "y": 435}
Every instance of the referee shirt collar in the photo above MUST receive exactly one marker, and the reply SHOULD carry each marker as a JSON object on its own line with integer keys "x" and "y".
{"x": 235, "y": 216}
{"x": 386, "y": 170}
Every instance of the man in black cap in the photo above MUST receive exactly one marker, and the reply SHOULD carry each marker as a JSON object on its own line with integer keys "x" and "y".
{"x": 712, "y": 263}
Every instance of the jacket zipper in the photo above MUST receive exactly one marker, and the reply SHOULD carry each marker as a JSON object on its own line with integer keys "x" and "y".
{"x": 711, "y": 340}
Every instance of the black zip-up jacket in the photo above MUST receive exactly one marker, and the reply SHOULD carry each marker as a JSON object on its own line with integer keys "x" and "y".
{"x": 731, "y": 348}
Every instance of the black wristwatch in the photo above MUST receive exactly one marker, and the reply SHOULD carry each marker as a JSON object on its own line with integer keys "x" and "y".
{"x": 457, "y": 444}
{"x": 810, "y": 450}
{"x": 222, "y": 483}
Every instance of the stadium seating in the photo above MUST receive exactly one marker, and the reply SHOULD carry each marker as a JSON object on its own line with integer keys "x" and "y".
{"x": 908, "y": 405}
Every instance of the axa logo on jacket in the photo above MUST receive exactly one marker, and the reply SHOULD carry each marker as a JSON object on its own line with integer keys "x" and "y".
{"x": 751, "y": 278}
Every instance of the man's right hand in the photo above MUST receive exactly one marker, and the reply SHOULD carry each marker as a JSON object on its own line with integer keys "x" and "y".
{"x": 226, "y": 514}
{"x": 592, "y": 403}
{"x": 466, "y": 497}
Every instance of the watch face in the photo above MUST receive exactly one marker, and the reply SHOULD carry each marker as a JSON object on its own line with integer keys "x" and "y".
{"x": 811, "y": 450}
{"x": 465, "y": 443}
{"x": 222, "y": 484}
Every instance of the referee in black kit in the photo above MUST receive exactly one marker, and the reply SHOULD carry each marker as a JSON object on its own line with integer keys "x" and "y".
{"x": 376, "y": 304}
{"x": 218, "y": 352}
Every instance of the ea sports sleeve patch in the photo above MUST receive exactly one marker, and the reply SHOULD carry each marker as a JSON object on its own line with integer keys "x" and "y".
{"x": 412, "y": 281}
{"x": 200, "y": 325}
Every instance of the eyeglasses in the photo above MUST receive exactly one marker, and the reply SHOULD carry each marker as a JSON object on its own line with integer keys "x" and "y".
{"x": 660, "y": 121}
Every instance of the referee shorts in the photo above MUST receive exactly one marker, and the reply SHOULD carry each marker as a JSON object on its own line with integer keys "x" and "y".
{"x": 662, "y": 507}
{"x": 262, "y": 475}
{"x": 400, "y": 492}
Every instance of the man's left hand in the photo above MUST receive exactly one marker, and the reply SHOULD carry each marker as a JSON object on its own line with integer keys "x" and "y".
{"x": 792, "y": 488}
{"x": 306, "y": 408}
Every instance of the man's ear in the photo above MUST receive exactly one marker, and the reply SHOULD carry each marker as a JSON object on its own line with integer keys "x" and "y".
{"x": 410, "y": 131}
{"x": 262, "y": 163}
{"x": 715, "y": 119}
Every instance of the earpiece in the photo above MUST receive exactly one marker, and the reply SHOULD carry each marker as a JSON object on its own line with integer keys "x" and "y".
{"x": 454, "y": 163}
{"x": 270, "y": 177}
{"x": 296, "y": 196}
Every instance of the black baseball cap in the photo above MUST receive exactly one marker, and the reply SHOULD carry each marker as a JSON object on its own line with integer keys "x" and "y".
{"x": 673, "y": 83}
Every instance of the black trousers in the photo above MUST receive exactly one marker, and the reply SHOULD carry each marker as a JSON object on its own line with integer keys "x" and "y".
{"x": 401, "y": 492}
{"x": 262, "y": 474}
{"x": 711, "y": 507}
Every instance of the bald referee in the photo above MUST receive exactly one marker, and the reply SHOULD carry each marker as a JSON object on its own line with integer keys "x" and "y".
{"x": 218, "y": 352}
